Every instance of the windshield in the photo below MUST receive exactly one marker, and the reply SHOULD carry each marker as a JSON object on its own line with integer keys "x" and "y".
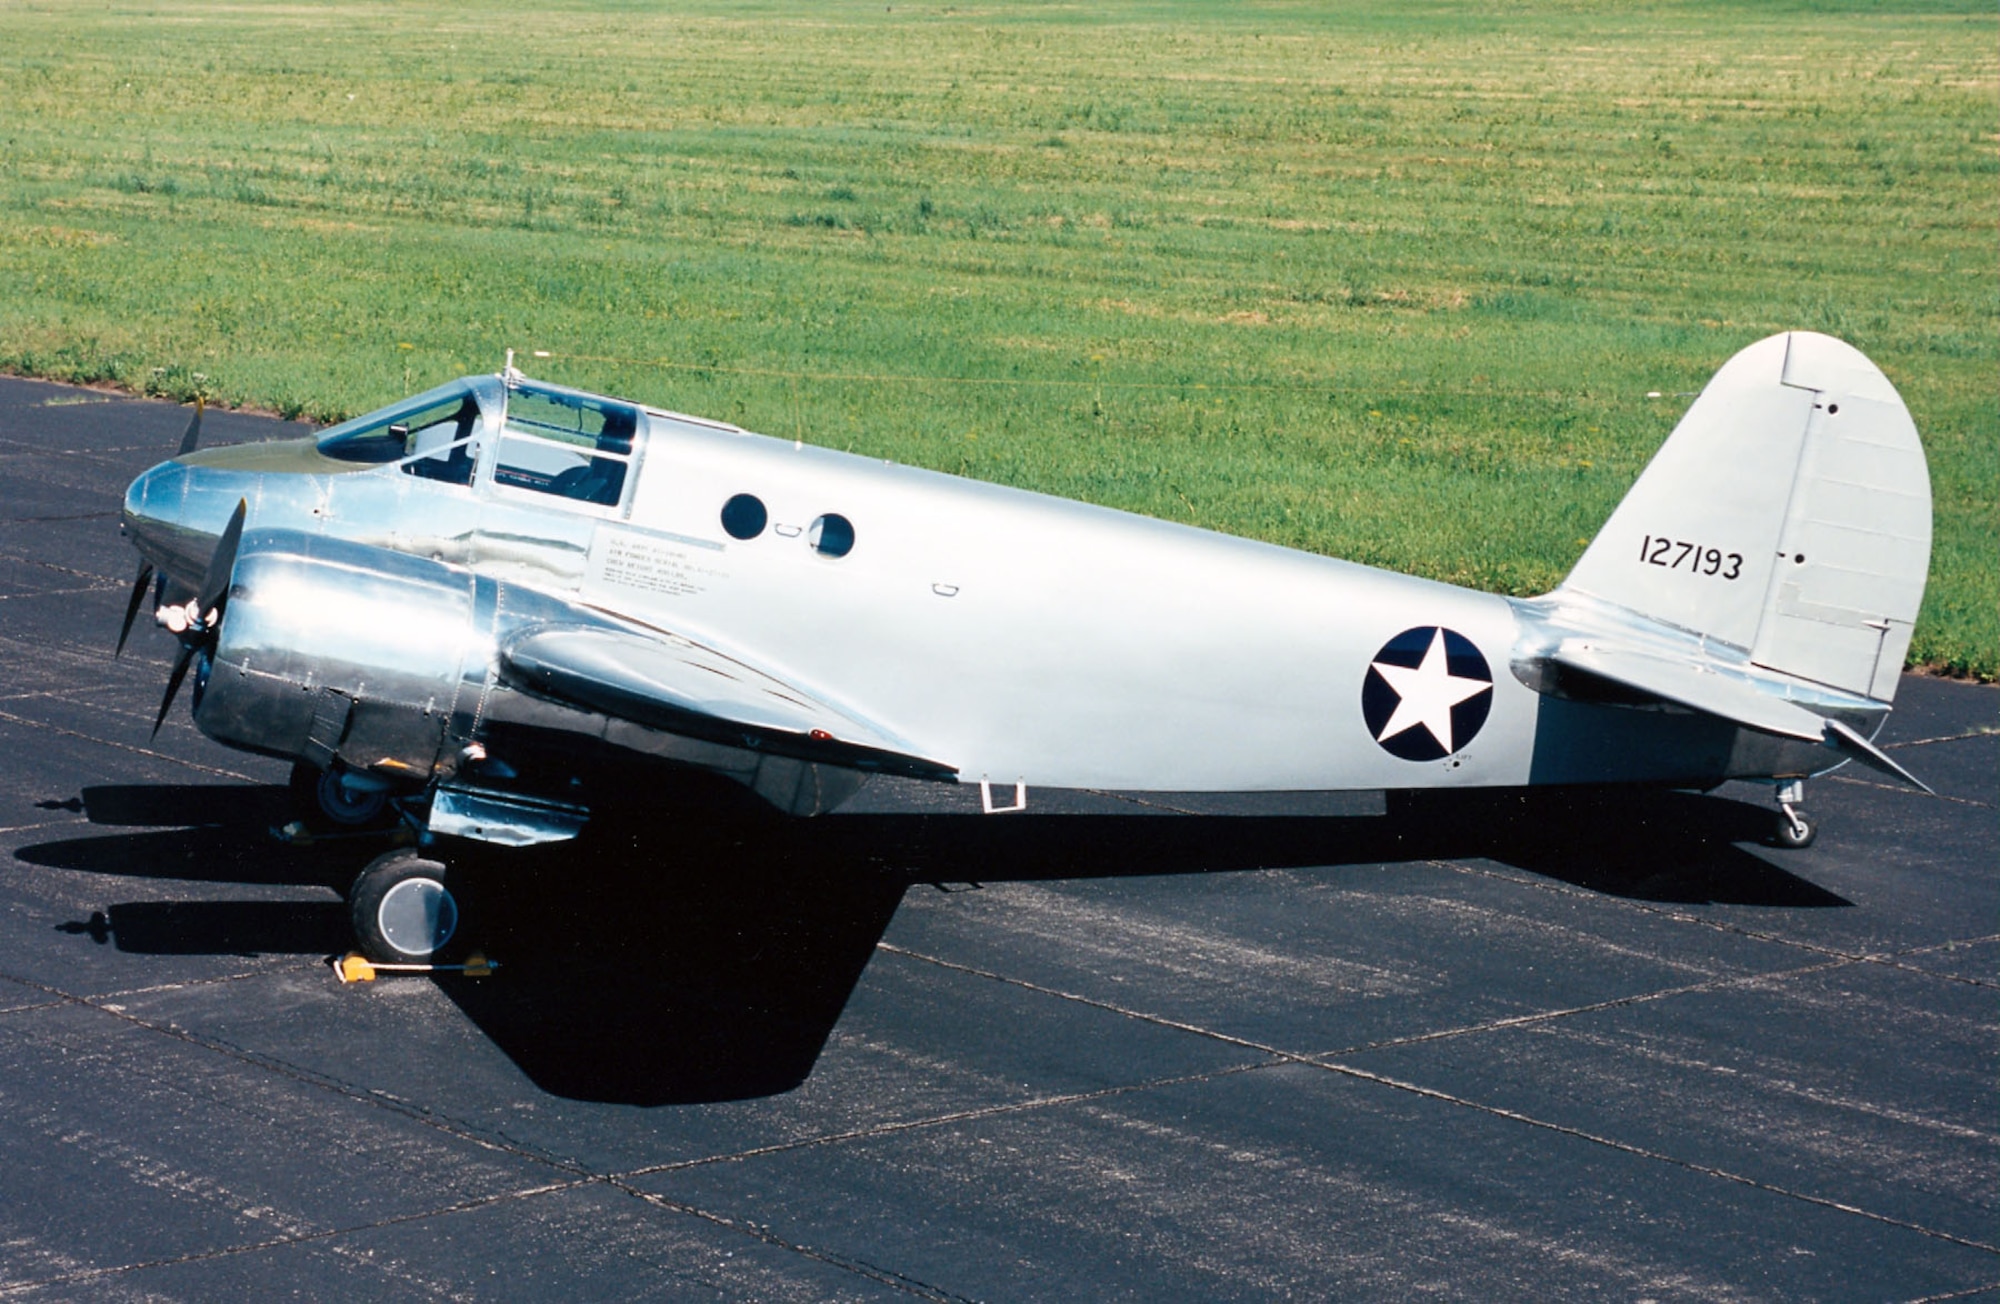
{"x": 430, "y": 421}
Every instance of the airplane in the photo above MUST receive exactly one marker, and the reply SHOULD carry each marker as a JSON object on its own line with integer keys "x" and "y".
{"x": 473, "y": 611}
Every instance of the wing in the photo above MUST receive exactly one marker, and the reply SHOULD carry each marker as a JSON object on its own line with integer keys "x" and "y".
{"x": 673, "y": 684}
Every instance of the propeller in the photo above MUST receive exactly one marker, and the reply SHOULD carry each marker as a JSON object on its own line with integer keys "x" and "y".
{"x": 189, "y": 438}
{"x": 198, "y": 623}
{"x": 193, "y": 433}
{"x": 132, "y": 605}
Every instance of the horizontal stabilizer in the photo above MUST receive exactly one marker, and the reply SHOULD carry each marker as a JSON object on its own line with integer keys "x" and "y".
{"x": 1741, "y": 696}
{"x": 680, "y": 687}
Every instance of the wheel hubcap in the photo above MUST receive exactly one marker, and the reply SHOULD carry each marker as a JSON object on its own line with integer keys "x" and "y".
{"x": 417, "y": 916}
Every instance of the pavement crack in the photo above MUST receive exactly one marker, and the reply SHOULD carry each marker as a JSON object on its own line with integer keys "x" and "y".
{"x": 38, "y": 824}
{"x": 759, "y": 1232}
{"x": 1140, "y": 801}
{"x": 31, "y": 1007}
{"x": 110, "y": 514}
{"x": 1907, "y": 791}
{"x": 98, "y": 999}
{"x": 1967, "y": 1293}
{"x": 575, "y": 1174}
{"x": 308, "y": 1077}
{"x": 1445, "y": 1097}
{"x": 101, "y": 586}
{"x": 942, "y": 1120}
{"x": 1887, "y": 959}
{"x": 1980, "y": 731}
{"x": 1658, "y": 1156}
{"x": 58, "y": 730}
{"x": 60, "y": 569}
{"x": 1595, "y": 1007}
{"x": 282, "y": 1242}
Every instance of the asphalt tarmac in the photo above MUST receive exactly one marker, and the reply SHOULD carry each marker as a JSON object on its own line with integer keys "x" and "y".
{"x": 1604, "y": 1048}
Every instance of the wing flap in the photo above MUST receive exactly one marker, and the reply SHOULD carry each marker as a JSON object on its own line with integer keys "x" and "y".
{"x": 681, "y": 687}
{"x": 1755, "y": 702}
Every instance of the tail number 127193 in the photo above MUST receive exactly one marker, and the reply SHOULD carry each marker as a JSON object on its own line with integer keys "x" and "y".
{"x": 1679, "y": 554}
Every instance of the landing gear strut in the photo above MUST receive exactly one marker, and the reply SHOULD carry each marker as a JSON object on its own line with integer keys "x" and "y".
{"x": 402, "y": 909}
{"x": 1794, "y": 831}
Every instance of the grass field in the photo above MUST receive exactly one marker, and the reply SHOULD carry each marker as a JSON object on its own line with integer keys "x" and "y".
{"x": 1391, "y": 283}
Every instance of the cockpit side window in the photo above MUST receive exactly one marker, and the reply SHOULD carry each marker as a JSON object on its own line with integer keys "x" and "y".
{"x": 430, "y": 434}
{"x": 440, "y": 441}
{"x": 567, "y": 445}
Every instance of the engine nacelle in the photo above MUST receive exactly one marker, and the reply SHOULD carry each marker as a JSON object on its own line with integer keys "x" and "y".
{"x": 337, "y": 652}
{"x": 333, "y": 650}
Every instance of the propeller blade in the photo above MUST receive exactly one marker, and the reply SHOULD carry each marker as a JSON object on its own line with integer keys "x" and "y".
{"x": 214, "y": 589}
{"x": 181, "y": 664}
{"x": 132, "y": 605}
{"x": 214, "y": 596}
{"x": 193, "y": 435}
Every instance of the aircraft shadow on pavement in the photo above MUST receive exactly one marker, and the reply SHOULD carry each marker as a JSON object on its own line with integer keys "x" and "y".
{"x": 707, "y": 953}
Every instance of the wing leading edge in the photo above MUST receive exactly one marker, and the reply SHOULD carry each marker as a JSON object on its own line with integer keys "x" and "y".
{"x": 680, "y": 687}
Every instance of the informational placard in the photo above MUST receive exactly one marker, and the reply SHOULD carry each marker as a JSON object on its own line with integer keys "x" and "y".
{"x": 651, "y": 561}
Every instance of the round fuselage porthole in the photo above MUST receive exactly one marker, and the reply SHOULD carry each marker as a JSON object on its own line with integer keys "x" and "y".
{"x": 744, "y": 516}
{"x": 831, "y": 535}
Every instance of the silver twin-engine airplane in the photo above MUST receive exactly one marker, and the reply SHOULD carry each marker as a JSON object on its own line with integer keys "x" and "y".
{"x": 458, "y": 609}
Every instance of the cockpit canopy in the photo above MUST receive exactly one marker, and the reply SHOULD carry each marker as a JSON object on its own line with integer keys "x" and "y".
{"x": 553, "y": 441}
{"x": 562, "y": 442}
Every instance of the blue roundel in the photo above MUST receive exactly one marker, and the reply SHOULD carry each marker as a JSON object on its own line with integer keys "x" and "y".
{"x": 1427, "y": 693}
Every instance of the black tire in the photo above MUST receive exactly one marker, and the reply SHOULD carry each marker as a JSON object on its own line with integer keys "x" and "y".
{"x": 320, "y": 792}
{"x": 1794, "y": 836}
{"x": 402, "y": 910}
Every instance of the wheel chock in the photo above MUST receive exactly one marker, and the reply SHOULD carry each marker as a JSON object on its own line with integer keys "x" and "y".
{"x": 355, "y": 967}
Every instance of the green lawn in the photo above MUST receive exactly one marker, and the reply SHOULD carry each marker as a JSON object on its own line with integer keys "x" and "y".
{"x": 1391, "y": 284}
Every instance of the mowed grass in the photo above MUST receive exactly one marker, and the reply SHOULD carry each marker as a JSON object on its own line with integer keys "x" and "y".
{"x": 1388, "y": 284}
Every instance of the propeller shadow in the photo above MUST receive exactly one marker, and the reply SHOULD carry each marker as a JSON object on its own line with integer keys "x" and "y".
{"x": 243, "y": 928}
{"x": 706, "y": 953}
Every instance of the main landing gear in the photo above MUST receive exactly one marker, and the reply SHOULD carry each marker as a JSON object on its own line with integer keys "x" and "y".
{"x": 402, "y": 908}
{"x": 401, "y": 904}
{"x": 1794, "y": 831}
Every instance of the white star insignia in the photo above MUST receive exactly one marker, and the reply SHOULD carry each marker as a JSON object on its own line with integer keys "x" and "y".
{"x": 1426, "y": 695}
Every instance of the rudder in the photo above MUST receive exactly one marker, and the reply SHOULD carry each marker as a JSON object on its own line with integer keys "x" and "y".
{"x": 1787, "y": 516}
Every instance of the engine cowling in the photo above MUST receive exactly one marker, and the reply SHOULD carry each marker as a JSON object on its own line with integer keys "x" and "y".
{"x": 335, "y": 650}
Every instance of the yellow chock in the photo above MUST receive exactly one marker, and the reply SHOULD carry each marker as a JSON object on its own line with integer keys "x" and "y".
{"x": 477, "y": 966}
{"x": 354, "y": 967}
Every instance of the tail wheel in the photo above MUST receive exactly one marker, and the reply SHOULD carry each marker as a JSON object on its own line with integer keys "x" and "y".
{"x": 1794, "y": 832}
{"x": 403, "y": 911}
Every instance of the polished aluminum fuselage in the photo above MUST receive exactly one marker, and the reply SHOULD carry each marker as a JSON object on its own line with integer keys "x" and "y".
{"x": 1015, "y": 637}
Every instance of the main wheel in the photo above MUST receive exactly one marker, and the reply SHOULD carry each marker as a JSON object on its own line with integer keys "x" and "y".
{"x": 325, "y": 791}
{"x": 1794, "y": 831}
{"x": 402, "y": 910}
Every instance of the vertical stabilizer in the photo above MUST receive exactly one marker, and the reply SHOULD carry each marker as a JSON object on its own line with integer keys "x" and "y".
{"x": 1787, "y": 516}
